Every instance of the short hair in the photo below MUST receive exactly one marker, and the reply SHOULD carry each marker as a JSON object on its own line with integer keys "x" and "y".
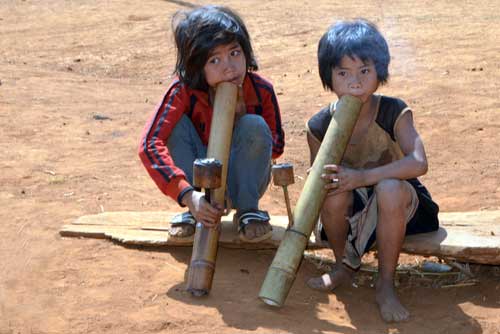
{"x": 359, "y": 38}
{"x": 199, "y": 31}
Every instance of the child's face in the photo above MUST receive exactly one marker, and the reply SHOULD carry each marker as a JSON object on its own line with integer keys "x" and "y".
{"x": 225, "y": 63}
{"x": 353, "y": 77}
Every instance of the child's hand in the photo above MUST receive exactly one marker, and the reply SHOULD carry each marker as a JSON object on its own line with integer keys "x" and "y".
{"x": 340, "y": 178}
{"x": 203, "y": 211}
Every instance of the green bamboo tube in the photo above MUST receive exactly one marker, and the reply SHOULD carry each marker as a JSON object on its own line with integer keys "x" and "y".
{"x": 281, "y": 274}
{"x": 202, "y": 266}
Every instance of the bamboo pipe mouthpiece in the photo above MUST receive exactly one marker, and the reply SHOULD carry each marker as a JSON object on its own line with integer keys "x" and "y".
{"x": 281, "y": 274}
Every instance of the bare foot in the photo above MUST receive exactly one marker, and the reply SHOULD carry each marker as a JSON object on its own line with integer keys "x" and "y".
{"x": 329, "y": 281}
{"x": 388, "y": 302}
{"x": 256, "y": 231}
{"x": 182, "y": 230}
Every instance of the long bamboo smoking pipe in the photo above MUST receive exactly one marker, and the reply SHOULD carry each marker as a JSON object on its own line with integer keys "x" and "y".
{"x": 283, "y": 269}
{"x": 202, "y": 266}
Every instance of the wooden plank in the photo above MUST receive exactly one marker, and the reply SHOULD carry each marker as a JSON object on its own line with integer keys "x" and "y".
{"x": 127, "y": 218}
{"x": 151, "y": 229}
{"x": 464, "y": 236}
{"x": 467, "y": 237}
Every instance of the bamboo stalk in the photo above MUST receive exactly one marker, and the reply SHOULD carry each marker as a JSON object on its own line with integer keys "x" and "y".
{"x": 202, "y": 266}
{"x": 281, "y": 274}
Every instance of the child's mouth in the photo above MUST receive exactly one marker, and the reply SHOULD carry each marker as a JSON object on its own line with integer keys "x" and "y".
{"x": 236, "y": 80}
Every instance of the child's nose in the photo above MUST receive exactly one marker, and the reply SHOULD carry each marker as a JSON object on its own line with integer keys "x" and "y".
{"x": 355, "y": 81}
{"x": 229, "y": 67}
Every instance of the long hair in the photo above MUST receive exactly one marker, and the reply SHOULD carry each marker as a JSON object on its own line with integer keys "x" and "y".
{"x": 199, "y": 31}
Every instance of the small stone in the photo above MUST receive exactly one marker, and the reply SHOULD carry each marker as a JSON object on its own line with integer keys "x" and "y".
{"x": 98, "y": 117}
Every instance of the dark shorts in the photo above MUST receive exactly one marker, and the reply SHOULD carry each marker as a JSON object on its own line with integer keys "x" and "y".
{"x": 425, "y": 218}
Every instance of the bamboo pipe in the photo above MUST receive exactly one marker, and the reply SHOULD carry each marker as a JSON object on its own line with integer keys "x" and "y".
{"x": 281, "y": 274}
{"x": 202, "y": 266}
{"x": 207, "y": 174}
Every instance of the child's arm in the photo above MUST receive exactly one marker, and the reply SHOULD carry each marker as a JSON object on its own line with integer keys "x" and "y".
{"x": 412, "y": 165}
{"x": 153, "y": 150}
{"x": 272, "y": 116}
{"x": 155, "y": 156}
{"x": 414, "y": 162}
{"x": 313, "y": 147}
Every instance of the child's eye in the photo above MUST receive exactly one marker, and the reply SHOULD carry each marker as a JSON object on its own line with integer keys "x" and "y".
{"x": 235, "y": 53}
{"x": 342, "y": 73}
{"x": 214, "y": 60}
{"x": 365, "y": 71}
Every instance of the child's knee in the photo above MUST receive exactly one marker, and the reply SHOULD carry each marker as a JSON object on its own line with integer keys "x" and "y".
{"x": 393, "y": 193}
{"x": 253, "y": 124}
{"x": 253, "y": 132}
{"x": 339, "y": 204}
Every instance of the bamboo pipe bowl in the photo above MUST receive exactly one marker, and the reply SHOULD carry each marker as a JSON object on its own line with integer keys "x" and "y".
{"x": 207, "y": 173}
{"x": 283, "y": 174}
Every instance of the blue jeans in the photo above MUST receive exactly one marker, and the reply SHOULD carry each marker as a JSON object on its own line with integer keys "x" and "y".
{"x": 249, "y": 168}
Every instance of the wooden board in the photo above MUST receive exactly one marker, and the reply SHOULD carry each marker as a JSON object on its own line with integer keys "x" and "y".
{"x": 464, "y": 236}
{"x": 151, "y": 229}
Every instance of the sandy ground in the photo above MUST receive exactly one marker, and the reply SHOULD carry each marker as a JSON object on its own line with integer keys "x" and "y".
{"x": 65, "y": 63}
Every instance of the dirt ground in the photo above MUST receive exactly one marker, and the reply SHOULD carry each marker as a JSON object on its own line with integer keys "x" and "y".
{"x": 64, "y": 65}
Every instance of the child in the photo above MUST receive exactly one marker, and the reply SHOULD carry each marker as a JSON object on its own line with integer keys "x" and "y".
{"x": 374, "y": 194}
{"x": 213, "y": 46}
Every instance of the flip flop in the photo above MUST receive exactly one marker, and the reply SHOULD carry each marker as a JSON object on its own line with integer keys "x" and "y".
{"x": 253, "y": 217}
{"x": 183, "y": 219}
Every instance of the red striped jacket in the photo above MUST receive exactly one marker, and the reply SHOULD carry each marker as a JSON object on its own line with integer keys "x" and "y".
{"x": 180, "y": 100}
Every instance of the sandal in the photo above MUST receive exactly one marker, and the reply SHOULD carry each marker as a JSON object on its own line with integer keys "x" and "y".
{"x": 182, "y": 225}
{"x": 253, "y": 217}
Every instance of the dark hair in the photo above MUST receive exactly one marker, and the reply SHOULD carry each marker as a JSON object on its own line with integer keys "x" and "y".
{"x": 199, "y": 31}
{"x": 359, "y": 38}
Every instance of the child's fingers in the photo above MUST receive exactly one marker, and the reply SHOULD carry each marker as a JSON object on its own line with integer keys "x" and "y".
{"x": 333, "y": 185}
{"x": 216, "y": 210}
{"x": 208, "y": 224}
{"x": 333, "y": 177}
{"x": 332, "y": 181}
{"x": 211, "y": 214}
{"x": 331, "y": 168}
{"x": 218, "y": 207}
